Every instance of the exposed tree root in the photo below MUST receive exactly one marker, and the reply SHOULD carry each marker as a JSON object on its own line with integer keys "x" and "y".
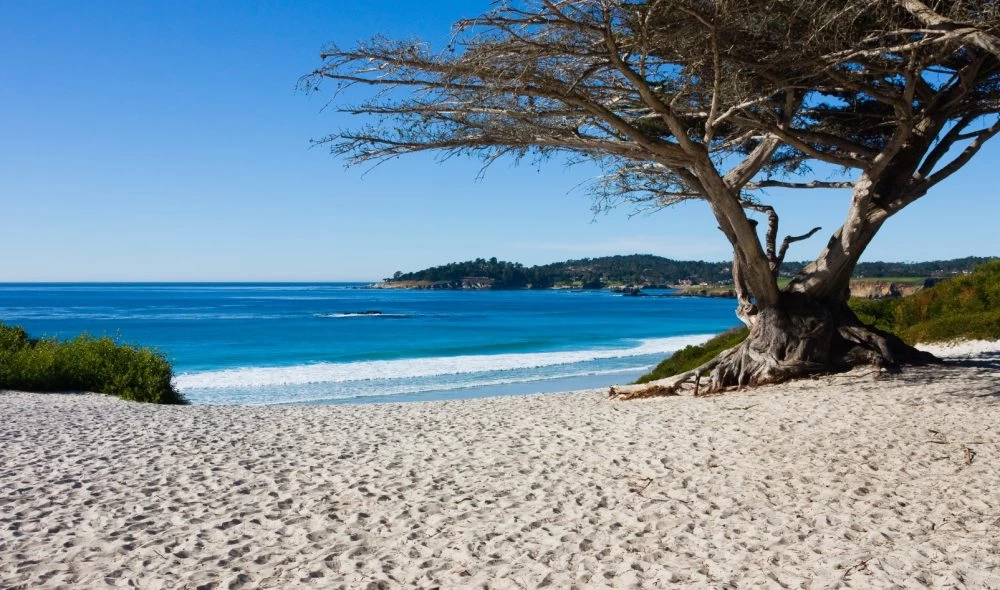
{"x": 669, "y": 385}
{"x": 797, "y": 339}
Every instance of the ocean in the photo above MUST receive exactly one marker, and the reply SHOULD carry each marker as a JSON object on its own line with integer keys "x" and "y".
{"x": 322, "y": 343}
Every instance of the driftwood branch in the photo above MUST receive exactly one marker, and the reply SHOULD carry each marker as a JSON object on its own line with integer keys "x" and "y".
{"x": 668, "y": 386}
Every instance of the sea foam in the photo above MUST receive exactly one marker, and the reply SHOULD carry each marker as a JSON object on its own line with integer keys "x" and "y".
{"x": 318, "y": 393}
{"x": 248, "y": 377}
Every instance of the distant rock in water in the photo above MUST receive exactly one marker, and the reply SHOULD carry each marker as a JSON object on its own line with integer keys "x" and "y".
{"x": 477, "y": 283}
{"x": 715, "y": 292}
{"x": 463, "y": 284}
{"x": 630, "y": 290}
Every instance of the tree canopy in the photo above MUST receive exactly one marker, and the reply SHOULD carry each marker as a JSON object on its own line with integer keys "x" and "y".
{"x": 715, "y": 100}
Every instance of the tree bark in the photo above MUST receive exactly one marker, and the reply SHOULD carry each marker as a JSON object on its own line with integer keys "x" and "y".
{"x": 829, "y": 276}
{"x": 748, "y": 254}
{"x": 802, "y": 335}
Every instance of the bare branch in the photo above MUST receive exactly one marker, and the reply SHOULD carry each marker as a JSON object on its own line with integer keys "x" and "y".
{"x": 941, "y": 147}
{"x": 789, "y": 240}
{"x": 646, "y": 92}
{"x": 772, "y": 227}
{"x": 943, "y": 37}
{"x": 760, "y": 184}
{"x": 962, "y": 159}
{"x": 793, "y": 140}
{"x": 937, "y": 23}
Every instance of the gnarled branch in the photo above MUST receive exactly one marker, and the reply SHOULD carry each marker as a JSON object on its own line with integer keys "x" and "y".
{"x": 789, "y": 240}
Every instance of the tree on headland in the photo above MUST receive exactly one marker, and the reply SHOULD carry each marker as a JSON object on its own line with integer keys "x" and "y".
{"x": 716, "y": 101}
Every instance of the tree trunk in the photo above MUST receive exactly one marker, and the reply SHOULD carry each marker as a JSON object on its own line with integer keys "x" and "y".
{"x": 808, "y": 328}
{"x": 829, "y": 276}
{"x": 798, "y": 336}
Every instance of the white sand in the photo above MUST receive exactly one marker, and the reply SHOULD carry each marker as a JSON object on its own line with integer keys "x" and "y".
{"x": 859, "y": 481}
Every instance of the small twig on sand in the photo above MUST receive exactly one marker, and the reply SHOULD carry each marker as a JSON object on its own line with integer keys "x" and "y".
{"x": 742, "y": 407}
{"x": 861, "y": 566}
{"x": 969, "y": 454}
{"x": 639, "y": 490}
{"x": 942, "y": 438}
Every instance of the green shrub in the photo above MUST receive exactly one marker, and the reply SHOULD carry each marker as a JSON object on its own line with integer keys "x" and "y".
{"x": 12, "y": 338}
{"x": 691, "y": 357}
{"x": 963, "y": 307}
{"x": 969, "y": 326}
{"x": 879, "y": 313}
{"x": 85, "y": 364}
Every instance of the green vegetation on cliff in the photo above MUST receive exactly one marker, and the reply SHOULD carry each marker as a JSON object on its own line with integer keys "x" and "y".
{"x": 964, "y": 307}
{"x": 903, "y": 271}
{"x": 84, "y": 364}
{"x": 636, "y": 269}
{"x": 642, "y": 270}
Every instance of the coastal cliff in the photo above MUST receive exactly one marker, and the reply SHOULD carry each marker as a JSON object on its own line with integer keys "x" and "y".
{"x": 860, "y": 288}
{"x": 869, "y": 289}
{"x": 465, "y": 283}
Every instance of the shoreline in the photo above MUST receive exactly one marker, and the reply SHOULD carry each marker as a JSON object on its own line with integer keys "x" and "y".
{"x": 862, "y": 288}
{"x": 559, "y": 384}
{"x": 433, "y": 377}
{"x": 859, "y": 480}
{"x": 516, "y": 389}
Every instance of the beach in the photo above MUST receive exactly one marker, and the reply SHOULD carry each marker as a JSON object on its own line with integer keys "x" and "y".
{"x": 862, "y": 480}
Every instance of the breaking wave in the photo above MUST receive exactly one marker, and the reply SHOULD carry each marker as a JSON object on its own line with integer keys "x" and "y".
{"x": 419, "y": 368}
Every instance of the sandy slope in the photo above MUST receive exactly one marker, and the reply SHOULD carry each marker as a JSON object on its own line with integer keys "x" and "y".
{"x": 859, "y": 481}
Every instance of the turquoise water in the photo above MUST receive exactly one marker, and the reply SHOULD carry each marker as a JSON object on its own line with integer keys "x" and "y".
{"x": 315, "y": 343}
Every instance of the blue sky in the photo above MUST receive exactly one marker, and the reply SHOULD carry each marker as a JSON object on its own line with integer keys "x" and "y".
{"x": 166, "y": 141}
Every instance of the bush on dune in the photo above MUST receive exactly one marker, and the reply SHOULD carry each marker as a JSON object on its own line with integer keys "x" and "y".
{"x": 972, "y": 326}
{"x": 85, "y": 364}
{"x": 965, "y": 307}
{"x": 690, "y": 357}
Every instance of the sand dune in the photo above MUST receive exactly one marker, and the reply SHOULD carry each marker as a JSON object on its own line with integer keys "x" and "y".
{"x": 858, "y": 481}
